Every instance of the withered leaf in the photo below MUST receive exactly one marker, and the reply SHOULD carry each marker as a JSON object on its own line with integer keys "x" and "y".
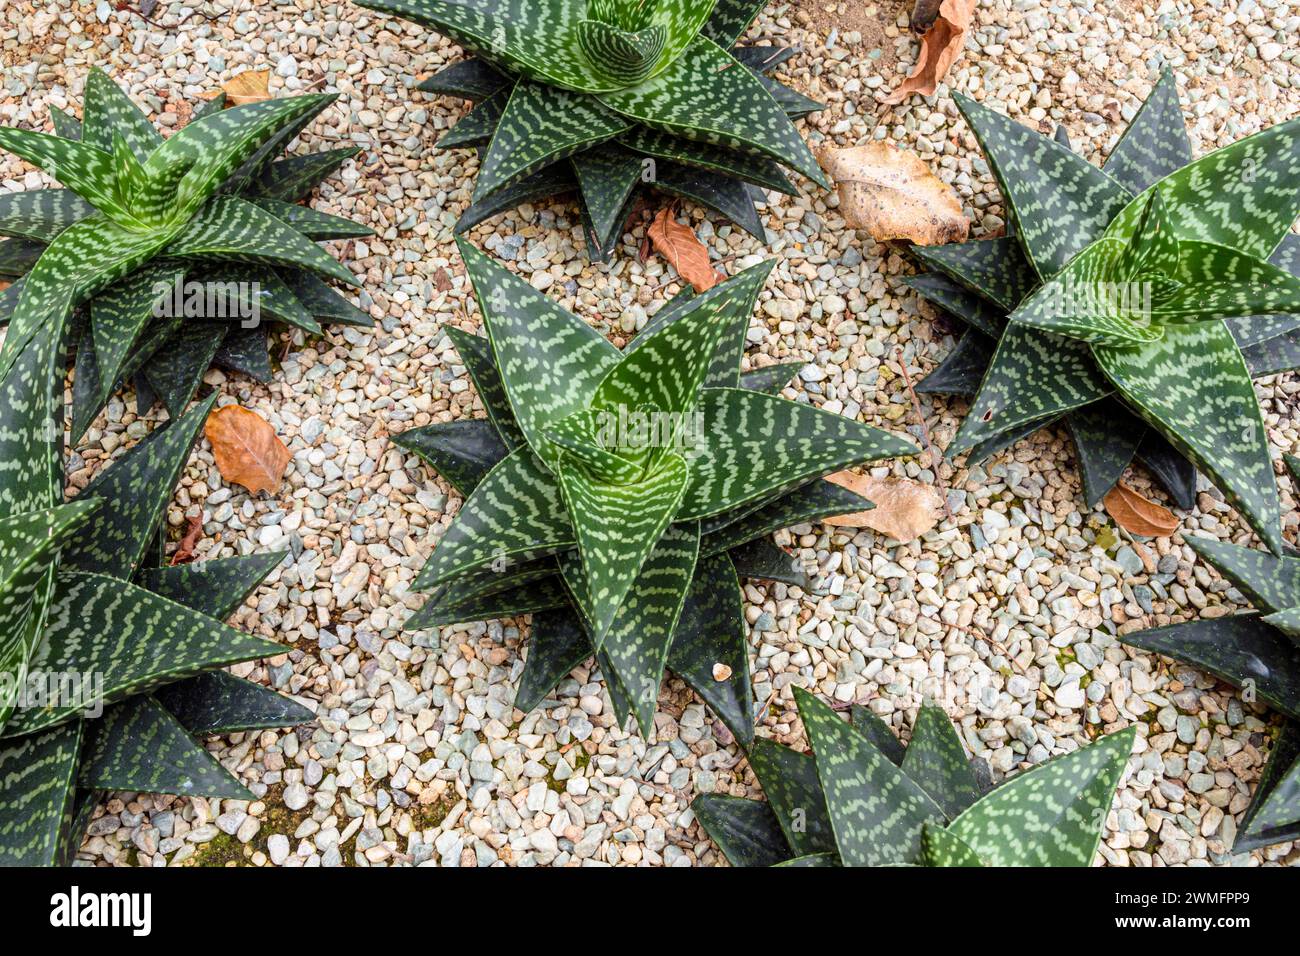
{"x": 892, "y": 194}
{"x": 1138, "y": 515}
{"x": 904, "y": 509}
{"x": 251, "y": 86}
{"x": 940, "y": 45}
{"x": 677, "y": 243}
{"x": 246, "y": 448}
{"x": 442, "y": 280}
{"x": 185, "y": 549}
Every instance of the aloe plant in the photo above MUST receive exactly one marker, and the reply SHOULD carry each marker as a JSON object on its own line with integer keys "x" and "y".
{"x": 209, "y": 209}
{"x": 623, "y": 546}
{"x": 1133, "y": 303}
{"x": 607, "y": 96}
{"x": 1259, "y": 652}
{"x": 862, "y": 799}
{"x": 86, "y": 600}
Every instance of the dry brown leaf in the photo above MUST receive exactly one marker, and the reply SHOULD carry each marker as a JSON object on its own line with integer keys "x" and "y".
{"x": 1138, "y": 515}
{"x": 892, "y": 194}
{"x": 185, "y": 550}
{"x": 4, "y": 284}
{"x": 251, "y": 86}
{"x": 677, "y": 243}
{"x": 940, "y": 46}
{"x": 904, "y": 509}
{"x": 247, "y": 450}
{"x": 442, "y": 280}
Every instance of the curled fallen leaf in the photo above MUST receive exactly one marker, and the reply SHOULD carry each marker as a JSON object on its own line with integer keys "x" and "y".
{"x": 677, "y": 243}
{"x": 904, "y": 509}
{"x": 940, "y": 45}
{"x": 251, "y": 86}
{"x": 721, "y": 672}
{"x": 442, "y": 280}
{"x": 892, "y": 194}
{"x": 1138, "y": 515}
{"x": 185, "y": 550}
{"x": 246, "y": 448}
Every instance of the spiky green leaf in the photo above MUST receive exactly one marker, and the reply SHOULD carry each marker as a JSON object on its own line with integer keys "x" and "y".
{"x": 710, "y": 631}
{"x": 558, "y": 643}
{"x": 876, "y": 811}
{"x": 139, "y": 746}
{"x": 706, "y": 95}
{"x": 462, "y": 452}
{"x": 217, "y": 702}
{"x": 757, "y": 444}
{"x": 542, "y": 124}
{"x": 232, "y": 228}
{"x": 1061, "y": 202}
{"x": 135, "y": 492}
{"x": 1240, "y": 648}
{"x": 515, "y": 512}
{"x": 1052, "y": 815}
{"x": 38, "y": 799}
{"x": 136, "y": 640}
{"x": 1194, "y": 387}
{"x": 1034, "y": 375}
{"x": 1155, "y": 143}
{"x": 942, "y": 847}
{"x": 936, "y": 761}
{"x": 215, "y": 587}
{"x": 790, "y": 783}
{"x": 746, "y": 831}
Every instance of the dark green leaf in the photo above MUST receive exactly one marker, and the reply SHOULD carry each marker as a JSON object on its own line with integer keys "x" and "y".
{"x": 1052, "y": 815}
{"x": 541, "y": 124}
{"x": 995, "y": 269}
{"x": 176, "y": 370}
{"x": 1237, "y": 649}
{"x": 38, "y": 801}
{"x": 756, "y": 445}
{"x": 462, "y": 452}
{"x": 1155, "y": 143}
{"x": 138, "y": 745}
{"x": 293, "y": 179}
{"x": 215, "y": 587}
{"x": 1194, "y": 387}
{"x": 1060, "y": 201}
{"x": 1106, "y": 436}
{"x": 711, "y": 630}
{"x": 745, "y": 830}
{"x": 218, "y": 702}
{"x": 1034, "y": 375}
{"x": 876, "y": 811}
{"x": 936, "y": 761}
{"x": 558, "y": 643}
{"x": 763, "y": 559}
{"x": 136, "y": 640}
{"x": 790, "y": 783}
{"x": 816, "y": 500}
{"x": 134, "y": 492}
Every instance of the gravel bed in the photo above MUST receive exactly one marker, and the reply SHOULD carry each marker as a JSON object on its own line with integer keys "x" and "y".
{"x": 1007, "y": 613}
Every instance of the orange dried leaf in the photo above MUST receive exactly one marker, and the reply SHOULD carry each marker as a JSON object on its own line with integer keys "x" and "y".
{"x": 1138, "y": 515}
{"x": 442, "y": 280}
{"x": 678, "y": 244}
{"x": 892, "y": 194}
{"x": 251, "y": 86}
{"x": 940, "y": 46}
{"x": 904, "y": 509}
{"x": 247, "y": 450}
